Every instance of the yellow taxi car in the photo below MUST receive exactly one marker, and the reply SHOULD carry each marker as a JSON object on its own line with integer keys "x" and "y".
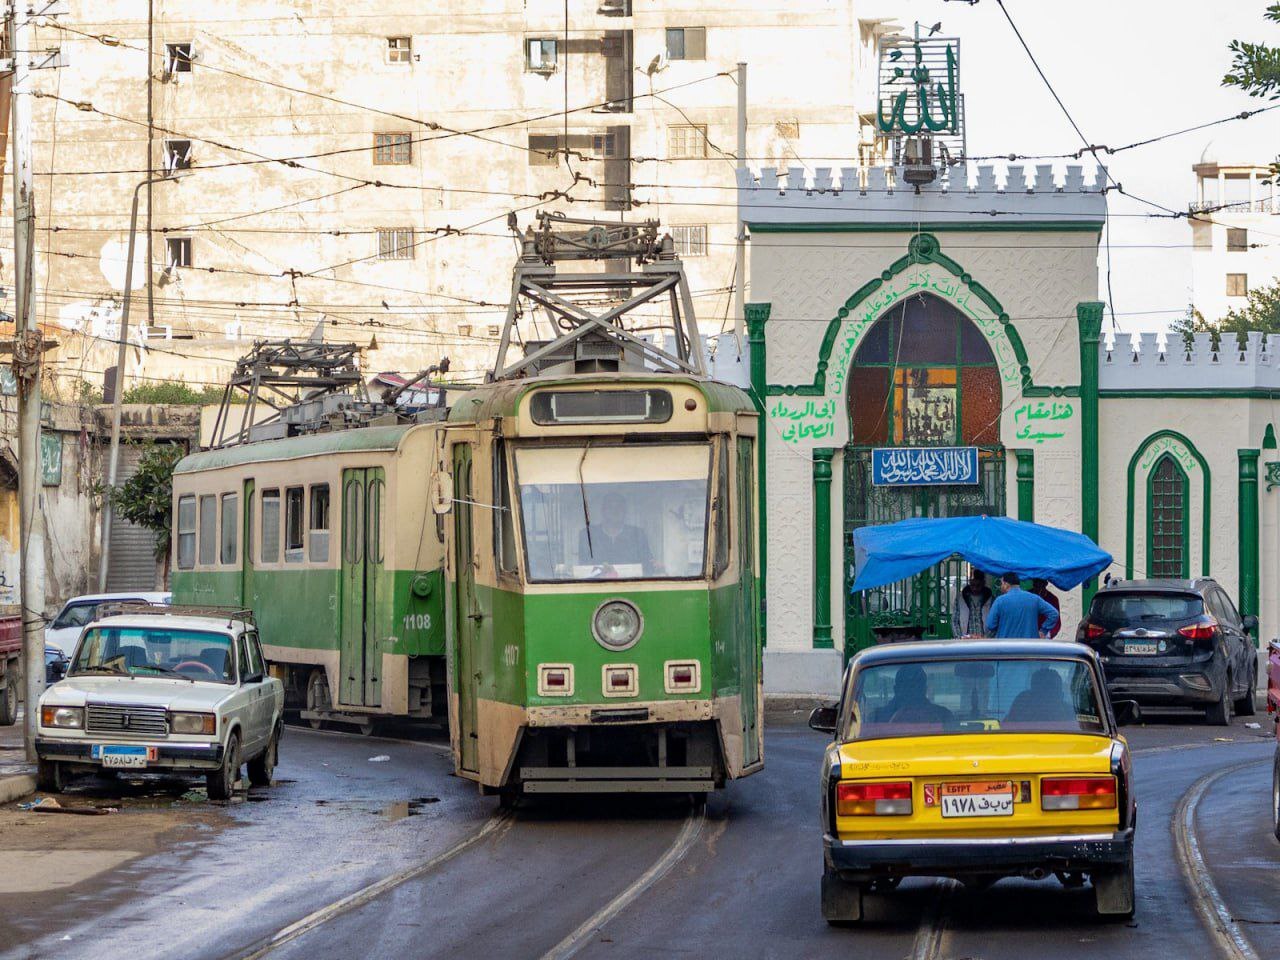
{"x": 976, "y": 760}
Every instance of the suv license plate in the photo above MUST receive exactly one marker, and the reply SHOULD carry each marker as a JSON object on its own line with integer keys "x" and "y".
{"x": 1144, "y": 648}
{"x": 123, "y": 756}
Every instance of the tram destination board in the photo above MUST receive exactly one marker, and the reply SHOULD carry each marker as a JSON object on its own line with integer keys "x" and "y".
{"x": 924, "y": 466}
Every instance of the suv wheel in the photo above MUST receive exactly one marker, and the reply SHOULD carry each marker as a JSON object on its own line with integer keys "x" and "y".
{"x": 9, "y": 699}
{"x": 263, "y": 766}
{"x": 1244, "y": 707}
{"x": 221, "y": 782}
{"x": 1219, "y": 714}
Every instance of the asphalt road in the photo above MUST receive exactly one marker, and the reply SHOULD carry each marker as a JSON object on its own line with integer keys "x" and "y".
{"x": 352, "y": 857}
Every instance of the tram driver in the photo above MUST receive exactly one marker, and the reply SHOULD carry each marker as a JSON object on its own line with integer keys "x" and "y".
{"x": 611, "y": 541}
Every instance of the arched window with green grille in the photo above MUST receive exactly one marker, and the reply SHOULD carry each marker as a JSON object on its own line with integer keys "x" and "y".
{"x": 1168, "y": 527}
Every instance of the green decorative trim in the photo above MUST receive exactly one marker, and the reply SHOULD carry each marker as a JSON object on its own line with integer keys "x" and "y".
{"x": 1273, "y": 474}
{"x": 1185, "y": 570}
{"x": 1026, "y": 484}
{"x": 822, "y": 548}
{"x": 1269, "y": 437}
{"x": 757, "y": 314}
{"x": 932, "y": 226}
{"x": 1247, "y": 533}
{"x": 1203, "y": 393}
{"x": 1089, "y": 322}
{"x": 1206, "y": 499}
{"x": 922, "y": 248}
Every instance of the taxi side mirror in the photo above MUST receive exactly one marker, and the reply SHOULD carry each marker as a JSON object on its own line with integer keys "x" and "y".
{"x": 1126, "y": 712}
{"x": 823, "y": 718}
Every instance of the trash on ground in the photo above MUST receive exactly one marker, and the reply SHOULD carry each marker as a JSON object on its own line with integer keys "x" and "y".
{"x": 195, "y": 796}
{"x": 43, "y": 802}
{"x": 1254, "y": 726}
{"x": 1224, "y": 739}
{"x": 380, "y": 758}
{"x": 78, "y": 811}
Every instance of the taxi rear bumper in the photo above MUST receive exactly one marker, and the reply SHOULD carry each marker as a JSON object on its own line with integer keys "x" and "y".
{"x": 871, "y": 859}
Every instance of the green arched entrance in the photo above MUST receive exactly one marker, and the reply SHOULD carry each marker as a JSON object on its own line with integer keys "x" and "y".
{"x": 923, "y": 375}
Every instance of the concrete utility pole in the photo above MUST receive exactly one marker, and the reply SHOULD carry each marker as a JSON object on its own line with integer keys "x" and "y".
{"x": 740, "y": 253}
{"x": 122, "y": 356}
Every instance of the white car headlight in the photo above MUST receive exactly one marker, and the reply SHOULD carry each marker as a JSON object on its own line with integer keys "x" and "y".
{"x": 617, "y": 624}
{"x": 202, "y": 723}
{"x": 68, "y": 718}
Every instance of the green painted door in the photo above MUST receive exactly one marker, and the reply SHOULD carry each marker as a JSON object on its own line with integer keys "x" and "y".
{"x": 247, "y": 598}
{"x": 465, "y": 607}
{"x": 747, "y": 621}
{"x": 359, "y": 656}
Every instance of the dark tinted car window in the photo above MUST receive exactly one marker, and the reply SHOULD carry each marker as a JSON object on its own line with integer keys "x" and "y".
{"x": 1120, "y": 608}
{"x": 1227, "y": 609}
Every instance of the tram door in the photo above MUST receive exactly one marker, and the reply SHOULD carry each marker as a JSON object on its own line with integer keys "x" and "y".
{"x": 748, "y": 638}
{"x": 464, "y": 605}
{"x": 247, "y": 598}
{"x": 360, "y": 659}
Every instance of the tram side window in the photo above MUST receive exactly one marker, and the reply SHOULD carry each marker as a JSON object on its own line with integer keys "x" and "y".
{"x": 318, "y": 528}
{"x": 270, "y": 526}
{"x": 720, "y": 557}
{"x": 293, "y": 536}
{"x": 208, "y": 529}
{"x": 504, "y": 531}
{"x": 230, "y": 522}
{"x": 186, "y": 532}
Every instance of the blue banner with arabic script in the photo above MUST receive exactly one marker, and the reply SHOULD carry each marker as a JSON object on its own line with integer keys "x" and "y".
{"x": 923, "y": 466}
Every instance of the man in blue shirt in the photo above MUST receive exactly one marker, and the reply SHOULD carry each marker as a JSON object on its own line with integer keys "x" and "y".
{"x": 1017, "y": 614}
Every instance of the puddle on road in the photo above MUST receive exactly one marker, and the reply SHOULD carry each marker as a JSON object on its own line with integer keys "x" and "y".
{"x": 396, "y": 810}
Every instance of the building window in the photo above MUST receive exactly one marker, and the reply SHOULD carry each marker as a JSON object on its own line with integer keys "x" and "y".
{"x": 690, "y": 240}
{"x": 318, "y": 525}
{"x": 270, "y": 526}
{"x": 1237, "y": 284}
{"x": 396, "y": 243}
{"x": 178, "y": 58}
{"x": 1237, "y": 239}
{"x": 1167, "y": 520}
{"x": 293, "y": 525}
{"x": 177, "y": 155}
{"x": 178, "y": 250}
{"x": 687, "y": 141}
{"x": 230, "y": 522}
{"x": 686, "y": 43}
{"x": 186, "y": 532}
{"x": 543, "y": 149}
{"x": 540, "y": 55}
{"x": 399, "y": 49}
{"x": 604, "y": 145}
{"x": 392, "y": 148}
{"x": 208, "y": 530}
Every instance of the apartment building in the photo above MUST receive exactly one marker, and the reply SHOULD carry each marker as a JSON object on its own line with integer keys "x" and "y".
{"x": 352, "y": 170}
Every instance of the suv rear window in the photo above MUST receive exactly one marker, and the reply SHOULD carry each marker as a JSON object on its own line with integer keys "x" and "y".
{"x": 1119, "y": 608}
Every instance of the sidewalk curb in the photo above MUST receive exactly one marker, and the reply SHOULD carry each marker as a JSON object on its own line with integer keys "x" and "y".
{"x": 16, "y": 787}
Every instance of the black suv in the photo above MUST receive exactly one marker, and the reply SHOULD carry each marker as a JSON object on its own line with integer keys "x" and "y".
{"x": 1174, "y": 643}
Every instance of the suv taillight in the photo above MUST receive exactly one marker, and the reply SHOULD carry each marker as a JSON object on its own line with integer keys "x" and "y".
{"x": 1204, "y": 629}
{"x": 1091, "y": 631}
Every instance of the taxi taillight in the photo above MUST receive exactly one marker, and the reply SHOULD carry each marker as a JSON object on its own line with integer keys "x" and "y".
{"x": 1078, "y": 793}
{"x": 873, "y": 799}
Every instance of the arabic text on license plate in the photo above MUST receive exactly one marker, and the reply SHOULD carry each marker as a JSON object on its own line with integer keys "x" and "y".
{"x": 1143, "y": 647}
{"x": 989, "y": 799}
{"x": 123, "y": 756}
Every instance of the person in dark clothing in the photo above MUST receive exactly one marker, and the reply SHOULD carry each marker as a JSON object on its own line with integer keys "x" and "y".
{"x": 911, "y": 703}
{"x": 1040, "y": 588}
{"x": 609, "y": 540}
{"x": 972, "y": 604}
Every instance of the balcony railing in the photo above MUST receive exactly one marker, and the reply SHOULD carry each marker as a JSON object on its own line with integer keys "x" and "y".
{"x": 1263, "y": 205}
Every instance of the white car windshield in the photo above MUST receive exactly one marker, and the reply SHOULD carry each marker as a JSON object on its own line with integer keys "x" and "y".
{"x": 152, "y": 652}
{"x": 611, "y": 512}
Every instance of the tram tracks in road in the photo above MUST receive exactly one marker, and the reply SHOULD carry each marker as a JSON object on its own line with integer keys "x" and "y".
{"x": 1222, "y": 928}
{"x": 933, "y": 922}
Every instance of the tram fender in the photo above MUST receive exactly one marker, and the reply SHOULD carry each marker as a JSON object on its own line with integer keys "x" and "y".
{"x": 499, "y": 726}
{"x": 729, "y": 724}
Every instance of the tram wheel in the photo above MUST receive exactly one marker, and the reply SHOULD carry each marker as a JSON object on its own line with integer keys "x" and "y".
{"x": 317, "y": 695}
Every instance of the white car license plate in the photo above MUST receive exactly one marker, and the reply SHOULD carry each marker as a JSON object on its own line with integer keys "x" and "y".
{"x": 127, "y": 756}
{"x": 977, "y": 799}
{"x": 1145, "y": 648}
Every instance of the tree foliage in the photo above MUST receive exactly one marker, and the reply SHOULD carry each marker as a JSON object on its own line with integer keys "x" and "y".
{"x": 1261, "y": 311}
{"x": 146, "y": 497}
{"x": 171, "y": 391}
{"x": 1255, "y": 68}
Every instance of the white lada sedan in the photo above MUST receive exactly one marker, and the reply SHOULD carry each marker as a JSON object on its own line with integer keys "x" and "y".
{"x": 164, "y": 690}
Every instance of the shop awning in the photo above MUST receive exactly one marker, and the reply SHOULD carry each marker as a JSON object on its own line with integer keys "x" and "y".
{"x": 997, "y": 545}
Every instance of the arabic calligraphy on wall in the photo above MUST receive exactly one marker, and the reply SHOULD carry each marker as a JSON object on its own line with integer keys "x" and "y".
{"x": 804, "y": 420}
{"x": 924, "y": 466}
{"x": 1174, "y": 448}
{"x": 1041, "y": 420}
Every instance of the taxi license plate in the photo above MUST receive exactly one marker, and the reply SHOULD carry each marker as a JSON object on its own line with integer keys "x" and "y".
{"x": 984, "y": 799}
{"x": 125, "y": 756}
{"x": 1146, "y": 648}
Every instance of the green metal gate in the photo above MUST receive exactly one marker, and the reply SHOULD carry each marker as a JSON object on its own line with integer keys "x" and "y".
{"x": 924, "y": 600}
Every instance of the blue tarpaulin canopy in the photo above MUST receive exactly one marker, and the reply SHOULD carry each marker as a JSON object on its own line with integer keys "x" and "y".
{"x": 894, "y": 551}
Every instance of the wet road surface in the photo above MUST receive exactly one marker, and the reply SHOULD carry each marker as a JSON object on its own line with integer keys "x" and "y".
{"x": 348, "y": 856}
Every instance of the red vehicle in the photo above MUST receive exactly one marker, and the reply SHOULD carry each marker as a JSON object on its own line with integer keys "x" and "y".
{"x": 10, "y": 669}
{"x": 1273, "y": 708}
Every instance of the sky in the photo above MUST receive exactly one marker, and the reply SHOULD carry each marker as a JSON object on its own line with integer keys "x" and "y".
{"x": 1127, "y": 70}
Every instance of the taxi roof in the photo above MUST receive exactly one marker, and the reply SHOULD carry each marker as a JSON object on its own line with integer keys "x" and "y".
{"x": 971, "y": 649}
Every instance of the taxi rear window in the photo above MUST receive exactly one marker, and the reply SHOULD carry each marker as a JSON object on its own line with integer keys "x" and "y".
{"x": 975, "y": 696}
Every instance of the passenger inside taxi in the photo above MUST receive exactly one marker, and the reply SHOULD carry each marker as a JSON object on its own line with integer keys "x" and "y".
{"x": 1044, "y": 700}
{"x": 911, "y": 703}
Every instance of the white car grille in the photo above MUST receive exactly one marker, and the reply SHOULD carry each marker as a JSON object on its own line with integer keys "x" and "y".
{"x": 128, "y": 719}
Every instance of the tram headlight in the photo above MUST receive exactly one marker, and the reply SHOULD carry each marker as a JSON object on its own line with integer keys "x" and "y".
{"x": 617, "y": 624}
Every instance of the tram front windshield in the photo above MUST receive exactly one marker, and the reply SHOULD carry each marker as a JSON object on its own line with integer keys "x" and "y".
{"x": 609, "y": 512}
